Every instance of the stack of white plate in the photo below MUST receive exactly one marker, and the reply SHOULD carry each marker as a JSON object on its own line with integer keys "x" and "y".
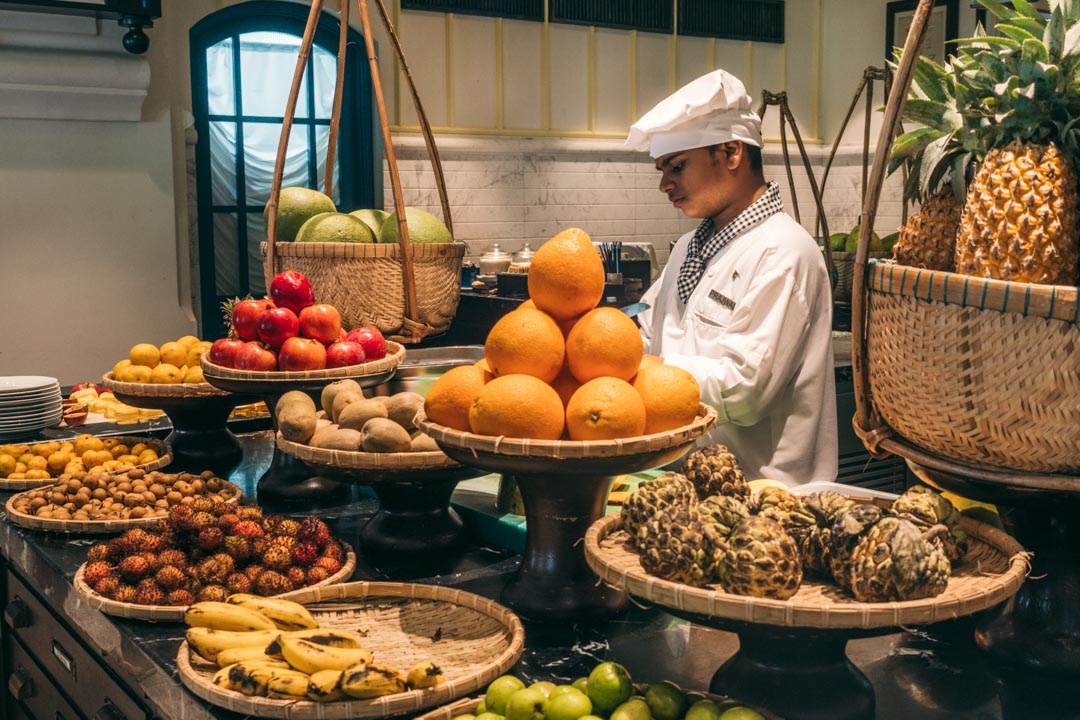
{"x": 28, "y": 403}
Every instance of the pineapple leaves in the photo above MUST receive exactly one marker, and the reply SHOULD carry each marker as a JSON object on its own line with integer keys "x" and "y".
{"x": 996, "y": 9}
{"x": 1018, "y": 33}
{"x": 958, "y": 178}
{"x": 1027, "y": 10}
{"x": 931, "y": 80}
{"x": 913, "y": 141}
{"x": 931, "y": 114}
{"x": 1054, "y": 36}
{"x": 934, "y": 163}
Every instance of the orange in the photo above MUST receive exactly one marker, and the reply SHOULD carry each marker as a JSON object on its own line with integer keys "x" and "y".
{"x": 517, "y": 406}
{"x": 450, "y": 397}
{"x": 483, "y": 365}
{"x": 565, "y": 384}
{"x": 604, "y": 342}
{"x": 671, "y": 396}
{"x": 527, "y": 304}
{"x": 605, "y": 408}
{"x": 525, "y": 341}
{"x": 566, "y": 277}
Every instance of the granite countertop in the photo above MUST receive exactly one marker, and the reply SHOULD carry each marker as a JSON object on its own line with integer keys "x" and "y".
{"x": 935, "y": 672}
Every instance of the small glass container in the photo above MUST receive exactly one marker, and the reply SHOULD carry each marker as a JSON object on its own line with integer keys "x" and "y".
{"x": 523, "y": 258}
{"x": 494, "y": 261}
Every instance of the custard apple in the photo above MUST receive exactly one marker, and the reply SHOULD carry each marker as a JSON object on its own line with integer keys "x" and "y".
{"x": 675, "y": 545}
{"x": 761, "y": 560}
{"x": 714, "y": 471}
{"x": 814, "y": 548}
{"x": 652, "y": 495}
{"x": 785, "y": 507}
{"x": 896, "y": 561}
{"x": 926, "y": 508}
{"x": 844, "y": 534}
{"x": 723, "y": 512}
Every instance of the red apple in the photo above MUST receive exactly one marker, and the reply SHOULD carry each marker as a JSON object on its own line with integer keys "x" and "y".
{"x": 292, "y": 290}
{"x": 83, "y": 385}
{"x": 344, "y": 353}
{"x": 254, "y": 356}
{"x": 320, "y": 322}
{"x": 278, "y": 325}
{"x": 299, "y": 353}
{"x": 245, "y": 317}
{"x": 224, "y": 351}
{"x": 370, "y": 339}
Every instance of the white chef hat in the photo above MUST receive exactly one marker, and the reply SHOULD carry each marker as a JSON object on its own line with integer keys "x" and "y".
{"x": 712, "y": 109}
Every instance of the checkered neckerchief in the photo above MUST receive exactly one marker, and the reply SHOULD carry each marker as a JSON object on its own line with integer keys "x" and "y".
{"x": 708, "y": 241}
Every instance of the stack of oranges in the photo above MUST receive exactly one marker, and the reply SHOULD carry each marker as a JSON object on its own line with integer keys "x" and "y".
{"x": 561, "y": 367}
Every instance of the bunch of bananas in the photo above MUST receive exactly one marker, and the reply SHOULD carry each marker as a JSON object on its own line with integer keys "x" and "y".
{"x": 275, "y": 648}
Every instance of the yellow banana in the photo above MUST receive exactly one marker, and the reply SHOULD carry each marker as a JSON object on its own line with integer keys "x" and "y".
{"x": 310, "y": 657}
{"x": 288, "y": 684}
{"x": 329, "y": 637}
{"x": 286, "y": 614}
{"x": 208, "y": 642}
{"x": 253, "y": 653}
{"x": 325, "y": 686}
{"x": 370, "y": 681}
{"x": 221, "y": 677}
{"x": 424, "y": 675}
{"x": 224, "y": 616}
{"x": 244, "y": 678}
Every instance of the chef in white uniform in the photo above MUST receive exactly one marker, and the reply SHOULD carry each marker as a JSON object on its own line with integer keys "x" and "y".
{"x": 744, "y": 303}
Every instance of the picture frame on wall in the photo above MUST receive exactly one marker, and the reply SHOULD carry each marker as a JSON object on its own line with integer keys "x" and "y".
{"x": 943, "y": 25}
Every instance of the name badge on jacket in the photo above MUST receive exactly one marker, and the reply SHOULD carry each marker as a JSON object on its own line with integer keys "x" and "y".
{"x": 722, "y": 299}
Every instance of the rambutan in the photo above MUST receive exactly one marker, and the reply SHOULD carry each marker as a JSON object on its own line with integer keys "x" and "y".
{"x": 173, "y": 557}
{"x": 149, "y": 594}
{"x": 227, "y": 520}
{"x": 125, "y": 593}
{"x": 107, "y": 586}
{"x": 154, "y": 543}
{"x": 304, "y": 554}
{"x": 249, "y": 512}
{"x": 202, "y": 520}
{"x": 238, "y": 582}
{"x": 277, "y": 557}
{"x": 134, "y": 568}
{"x": 210, "y": 538}
{"x": 95, "y": 571}
{"x": 331, "y": 565}
{"x": 271, "y": 582}
{"x": 315, "y": 531}
{"x": 119, "y": 548}
{"x": 334, "y": 550}
{"x": 215, "y": 568}
{"x": 170, "y": 577}
{"x": 287, "y": 526}
{"x": 237, "y": 547}
{"x": 97, "y": 552}
{"x": 254, "y": 570}
{"x": 249, "y": 529}
{"x": 315, "y": 574}
{"x": 202, "y": 504}
{"x": 136, "y": 536}
{"x": 180, "y": 596}
{"x": 269, "y": 522}
{"x": 285, "y": 541}
{"x": 296, "y": 575}
{"x": 180, "y": 517}
{"x": 213, "y": 593}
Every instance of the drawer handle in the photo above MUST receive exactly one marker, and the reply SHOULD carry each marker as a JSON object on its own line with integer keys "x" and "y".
{"x": 20, "y": 685}
{"x": 17, "y": 614}
{"x": 108, "y": 711}
{"x": 66, "y": 661}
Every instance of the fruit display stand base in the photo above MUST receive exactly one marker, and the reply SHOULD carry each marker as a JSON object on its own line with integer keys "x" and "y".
{"x": 199, "y": 415}
{"x": 564, "y": 486}
{"x": 288, "y": 484}
{"x": 792, "y": 656}
{"x": 413, "y": 488}
{"x": 1038, "y": 629}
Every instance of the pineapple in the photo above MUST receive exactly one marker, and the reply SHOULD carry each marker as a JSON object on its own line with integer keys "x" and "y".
{"x": 1020, "y": 93}
{"x": 928, "y": 240}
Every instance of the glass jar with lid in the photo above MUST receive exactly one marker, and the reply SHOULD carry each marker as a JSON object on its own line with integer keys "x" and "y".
{"x": 522, "y": 259}
{"x": 494, "y": 261}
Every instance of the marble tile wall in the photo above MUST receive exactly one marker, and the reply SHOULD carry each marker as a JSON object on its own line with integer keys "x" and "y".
{"x": 511, "y": 191}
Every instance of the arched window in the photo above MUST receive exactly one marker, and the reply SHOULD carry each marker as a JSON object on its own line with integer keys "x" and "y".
{"x": 242, "y": 62}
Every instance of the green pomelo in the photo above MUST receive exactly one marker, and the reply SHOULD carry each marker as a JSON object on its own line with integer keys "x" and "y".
{"x": 889, "y": 240}
{"x": 373, "y": 218}
{"x": 852, "y": 244}
{"x": 837, "y": 241}
{"x": 295, "y": 206}
{"x": 335, "y": 227}
{"x": 423, "y": 228}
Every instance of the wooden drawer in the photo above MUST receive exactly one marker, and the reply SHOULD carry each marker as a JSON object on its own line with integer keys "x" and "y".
{"x": 63, "y": 657}
{"x": 28, "y": 685}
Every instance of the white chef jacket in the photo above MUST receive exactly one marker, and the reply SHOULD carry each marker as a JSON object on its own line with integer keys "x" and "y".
{"x": 757, "y": 335}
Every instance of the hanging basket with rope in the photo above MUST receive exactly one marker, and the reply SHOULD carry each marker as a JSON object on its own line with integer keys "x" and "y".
{"x": 408, "y": 290}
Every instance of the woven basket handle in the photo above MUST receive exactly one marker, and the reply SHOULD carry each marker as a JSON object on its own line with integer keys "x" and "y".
{"x": 867, "y": 424}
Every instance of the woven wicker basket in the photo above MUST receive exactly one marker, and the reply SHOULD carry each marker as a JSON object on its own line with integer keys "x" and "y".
{"x": 175, "y": 613}
{"x": 845, "y": 273}
{"x": 162, "y": 390}
{"x": 473, "y": 640}
{"x": 349, "y": 461}
{"x": 992, "y": 571}
{"x": 984, "y": 371}
{"x": 162, "y": 448}
{"x": 408, "y": 292}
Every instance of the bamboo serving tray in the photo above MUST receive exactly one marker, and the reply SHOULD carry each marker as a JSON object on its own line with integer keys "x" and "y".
{"x": 175, "y": 613}
{"x": 345, "y": 461}
{"x": 164, "y": 458}
{"x": 472, "y": 639}
{"x": 991, "y": 572}
{"x": 395, "y": 353}
{"x": 161, "y": 390}
{"x": 93, "y": 527}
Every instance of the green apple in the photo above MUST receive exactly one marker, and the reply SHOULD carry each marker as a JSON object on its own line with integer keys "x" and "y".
{"x": 567, "y": 704}
{"x": 499, "y": 691}
{"x": 609, "y": 686}
{"x": 526, "y": 704}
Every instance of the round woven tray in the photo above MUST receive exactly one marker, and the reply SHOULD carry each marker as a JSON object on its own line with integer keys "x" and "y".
{"x": 89, "y": 527}
{"x": 395, "y": 353}
{"x": 161, "y": 390}
{"x": 333, "y": 461}
{"x": 569, "y": 449}
{"x": 991, "y": 572}
{"x": 164, "y": 458}
{"x": 175, "y": 613}
{"x": 472, "y": 639}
